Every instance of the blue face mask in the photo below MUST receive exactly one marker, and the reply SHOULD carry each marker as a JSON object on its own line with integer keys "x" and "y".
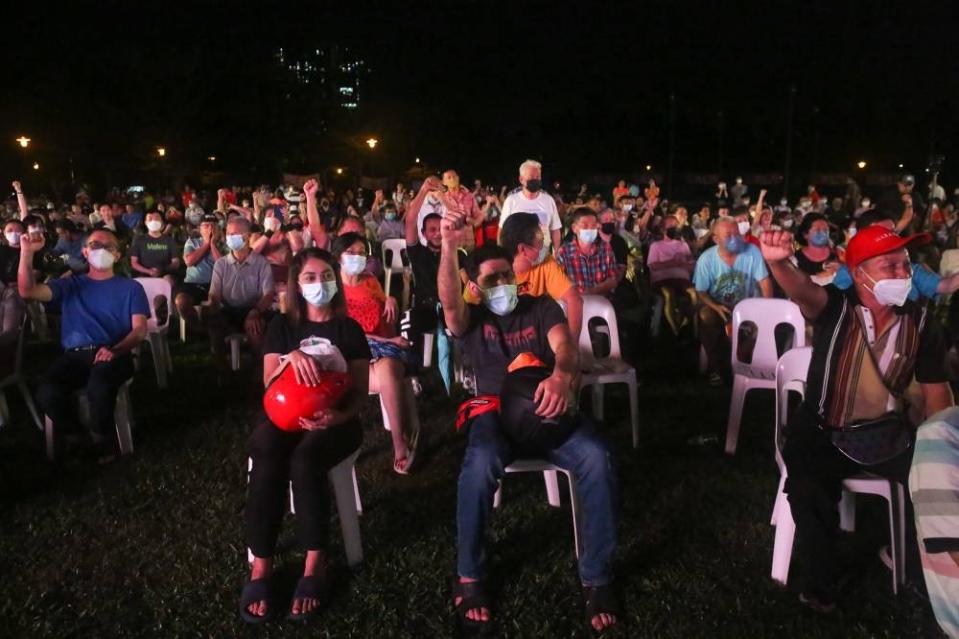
{"x": 390, "y": 215}
{"x": 819, "y": 238}
{"x": 735, "y": 244}
{"x": 319, "y": 293}
{"x": 235, "y": 242}
{"x": 587, "y": 236}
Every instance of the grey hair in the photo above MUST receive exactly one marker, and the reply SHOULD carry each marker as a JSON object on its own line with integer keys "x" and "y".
{"x": 245, "y": 225}
{"x": 725, "y": 219}
{"x": 529, "y": 164}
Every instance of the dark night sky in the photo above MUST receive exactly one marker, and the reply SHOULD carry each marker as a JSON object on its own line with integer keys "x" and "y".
{"x": 482, "y": 85}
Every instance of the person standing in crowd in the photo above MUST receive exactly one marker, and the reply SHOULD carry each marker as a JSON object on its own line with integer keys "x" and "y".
{"x": 241, "y": 292}
{"x": 934, "y": 489}
{"x": 870, "y": 344}
{"x": 303, "y": 457}
{"x": 200, "y": 253}
{"x": 104, "y": 319}
{"x": 459, "y": 197}
{"x": 530, "y": 198}
{"x": 493, "y": 333}
{"x": 587, "y": 259}
{"x": 154, "y": 254}
{"x": 726, "y": 274}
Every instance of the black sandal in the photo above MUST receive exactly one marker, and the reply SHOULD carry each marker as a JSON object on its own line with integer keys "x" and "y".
{"x": 472, "y": 596}
{"x": 257, "y": 590}
{"x": 312, "y": 587}
{"x": 600, "y": 600}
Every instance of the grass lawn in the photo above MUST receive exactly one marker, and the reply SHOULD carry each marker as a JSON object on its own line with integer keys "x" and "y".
{"x": 153, "y": 545}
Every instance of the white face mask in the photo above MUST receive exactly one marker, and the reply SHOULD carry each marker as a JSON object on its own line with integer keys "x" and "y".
{"x": 891, "y": 292}
{"x": 743, "y": 228}
{"x": 353, "y": 264}
{"x": 100, "y": 259}
{"x": 13, "y": 237}
{"x": 235, "y": 242}
{"x": 501, "y": 299}
{"x": 154, "y": 225}
{"x": 541, "y": 256}
{"x": 271, "y": 224}
{"x": 587, "y": 236}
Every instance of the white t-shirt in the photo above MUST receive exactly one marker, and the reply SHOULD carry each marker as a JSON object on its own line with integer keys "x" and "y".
{"x": 543, "y": 205}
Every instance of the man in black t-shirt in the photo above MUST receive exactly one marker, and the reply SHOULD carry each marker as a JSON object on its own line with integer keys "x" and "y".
{"x": 493, "y": 333}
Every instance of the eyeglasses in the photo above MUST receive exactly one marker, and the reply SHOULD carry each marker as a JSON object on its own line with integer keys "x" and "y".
{"x": 94, "y": 246}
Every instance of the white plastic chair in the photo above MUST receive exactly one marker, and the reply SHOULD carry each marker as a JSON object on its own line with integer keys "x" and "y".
{"x": 155, "y": 287}
{"x": 346, "y": 491}
{"x": 791, "y": 374}
{"x": 409, "y": 407}
{"x": 552, "y": 488}
{"x": 122, "y": 416}
{"x": 766, "y": 314}
{"x": 393, "y": 252}
{"x": 599, "y": 371}
{"x": 15, "y": 378}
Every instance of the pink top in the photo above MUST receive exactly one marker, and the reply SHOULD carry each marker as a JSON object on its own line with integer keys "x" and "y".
{"x": 667, "y": 250}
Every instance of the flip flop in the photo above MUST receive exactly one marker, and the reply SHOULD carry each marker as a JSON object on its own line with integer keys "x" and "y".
{"x": 257, "y": 590}
{"x": 410, "y": 455}
{"x": 312, "y": 587}
{"x": 599, "y": 600}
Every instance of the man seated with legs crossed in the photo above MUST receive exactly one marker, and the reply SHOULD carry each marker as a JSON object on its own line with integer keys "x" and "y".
{"x": 493, "y": 333}
{"x": 104, "y": 318}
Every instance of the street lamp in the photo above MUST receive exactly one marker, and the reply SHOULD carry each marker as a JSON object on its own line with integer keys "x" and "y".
{"x": 649, "y": 167}
{"x": 861, "y": 164}
{"x": 211, "y": 158}
{"x": 900, "y": 165}
{"x": 417, "y": 160}
{"x": 372, "y": 142}
{"x": 24, "y": 141}
{"x": 161, "y": 151}
{"x": 36, "y": 166}
{"x": 339, "y": 171}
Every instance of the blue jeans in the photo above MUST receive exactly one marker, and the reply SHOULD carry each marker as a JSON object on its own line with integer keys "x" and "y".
{"x": 585, "y": 454}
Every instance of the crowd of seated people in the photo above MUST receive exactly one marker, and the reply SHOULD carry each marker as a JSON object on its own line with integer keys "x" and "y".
{"x": 505, "y": 274}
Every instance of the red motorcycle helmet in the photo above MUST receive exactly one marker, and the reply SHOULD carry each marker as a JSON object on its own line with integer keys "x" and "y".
{"x": 286, "y": 400}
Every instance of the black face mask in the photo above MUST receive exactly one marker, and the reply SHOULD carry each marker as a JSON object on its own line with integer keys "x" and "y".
{"x": 672, "y": 233}
{"x": 608, "y": 228}
{"x": 533, "y": 185}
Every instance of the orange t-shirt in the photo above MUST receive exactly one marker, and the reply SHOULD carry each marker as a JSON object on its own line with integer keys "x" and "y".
{"x": 547, "y": 278}
{"x": 365, "y": 302}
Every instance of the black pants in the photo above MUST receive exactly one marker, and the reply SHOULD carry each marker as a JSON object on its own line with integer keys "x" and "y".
{"x": 816, "y": 469}
{"x": 75, "y": 370}
{"x": 302, "y": 458}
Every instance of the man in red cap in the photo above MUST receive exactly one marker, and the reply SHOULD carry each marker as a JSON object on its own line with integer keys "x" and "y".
{"x": 877, "y": 370}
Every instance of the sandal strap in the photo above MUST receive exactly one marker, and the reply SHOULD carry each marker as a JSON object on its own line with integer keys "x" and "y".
{"x": 473, "y": 596}
{"x": 312, "y": 587}
{"x": 599, "y": 600}
{"x": 256, "y": 590}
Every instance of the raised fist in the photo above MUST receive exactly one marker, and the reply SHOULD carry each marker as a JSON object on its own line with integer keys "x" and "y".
{"x": 310, "y": 187}
{"x": 17, "y": 187}
{"x": 776, "y": 245}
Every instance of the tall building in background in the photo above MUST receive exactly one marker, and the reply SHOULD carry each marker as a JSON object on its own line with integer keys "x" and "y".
{"x": 327, "y": 75}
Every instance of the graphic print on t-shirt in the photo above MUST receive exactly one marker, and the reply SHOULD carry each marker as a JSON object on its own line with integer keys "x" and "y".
{"x": 731, "y": 288}
{"x": 524, "y": 339}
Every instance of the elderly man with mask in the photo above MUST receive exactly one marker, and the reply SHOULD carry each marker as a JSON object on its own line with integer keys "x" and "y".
{"x": 726, "y": 274}
{"x": 530, "y": 198}
{"x": 104, "y": 318}
{"x": 241, "y": 291}
{"x": 874, "y": 353}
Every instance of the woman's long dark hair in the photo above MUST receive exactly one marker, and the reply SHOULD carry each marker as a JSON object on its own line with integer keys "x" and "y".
{"x": 295, "y": 303}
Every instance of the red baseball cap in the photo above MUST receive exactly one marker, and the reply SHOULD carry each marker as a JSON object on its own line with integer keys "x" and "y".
{"x": 878, "y": 240}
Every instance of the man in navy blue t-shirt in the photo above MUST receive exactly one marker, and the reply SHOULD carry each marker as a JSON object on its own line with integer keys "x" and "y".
{"x": 104, "y": 318}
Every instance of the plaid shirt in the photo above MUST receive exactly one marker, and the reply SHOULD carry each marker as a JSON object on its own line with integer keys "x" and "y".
{"x": 587, "y": 271}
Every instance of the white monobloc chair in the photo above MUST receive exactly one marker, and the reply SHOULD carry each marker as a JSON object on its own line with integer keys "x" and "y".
{"x": 766, "y": 314}
{"x": 346, "y": 491}
{"x": 791, "y": 374}
{"x": 409, "y": 408}
{"x": 393, "y": 252}
{"x": 157, "y": 333}
{"x": 13, "y": 376}
{"x": 599, "y": 371}
{"x": 122, "y": 416}
{"x": 551, "y": 479}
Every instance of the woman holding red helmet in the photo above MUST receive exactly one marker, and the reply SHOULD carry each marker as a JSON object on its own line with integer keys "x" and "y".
{"x": 305, "y": 454}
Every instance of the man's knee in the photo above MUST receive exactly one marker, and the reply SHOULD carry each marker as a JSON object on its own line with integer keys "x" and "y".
{"x": 485, "y": 454}
{"x": 49, "y": 395}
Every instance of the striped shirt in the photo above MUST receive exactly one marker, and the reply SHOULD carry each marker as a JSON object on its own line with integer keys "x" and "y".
{"x": 934, "y": 487}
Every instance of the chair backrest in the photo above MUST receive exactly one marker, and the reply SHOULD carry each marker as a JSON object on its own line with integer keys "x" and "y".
{"x": 791, "y": 372}
{"x": 767, "y": 314}
{"x": 156, "y": 287}
{"x": 393, "y": 252}
{"x": 598, "y": 307}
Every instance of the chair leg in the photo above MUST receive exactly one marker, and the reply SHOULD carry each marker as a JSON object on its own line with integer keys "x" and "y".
{"x": 634, "y": 408}
{"x": 386, "y": 415}
{"x": 428, "y": 340}
{"x": 498, "y": 495}
{"x": 387, "y": 276}
{"x": 780, "y": 497}
{"x": 346, "y": 499}
{"x": 28, "y": 400}
{"x": 356, "y": 491}
{"x": 577, "y": 514}
{"x": 166, "y": 353}
{"x": 48, "y": 438}
{"x": 183, "y": 330}
{"x": 409, "y": 406}
{"x": 124, "y": 418}
{"x": 598, "y": 401}
{"x": 552, "y": 488}
{"x": 897, "y": 537}
{"x": 159, "y": 358}
{"x": 234, "y": 354}
{"x": 735, "y": 413}
{"x": 783, "y": 545}
{"x": 847, "y": 511}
